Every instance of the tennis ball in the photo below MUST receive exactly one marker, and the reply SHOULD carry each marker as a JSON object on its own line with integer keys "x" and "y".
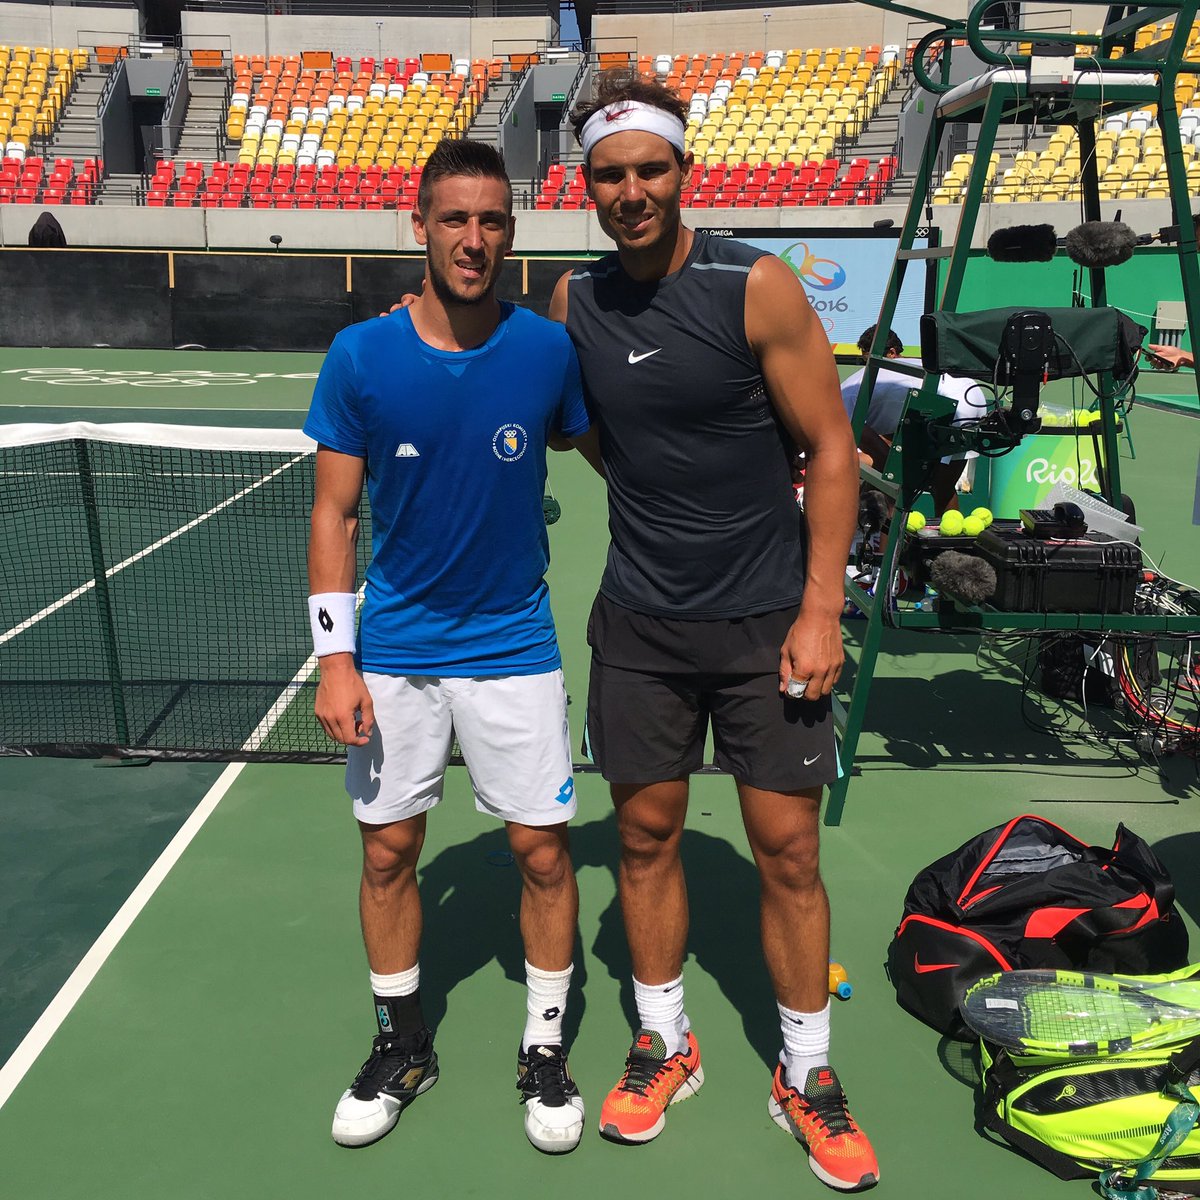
{"x": 984, "y": 515}
{"x": 915, "y": 522}
{"x": 951, "y": 523}
{"x": 1088, "y": 418}
{"x": 972, "y": 526}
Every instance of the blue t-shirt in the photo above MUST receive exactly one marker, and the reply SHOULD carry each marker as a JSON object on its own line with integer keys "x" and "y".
{"x": 455, "y": 446}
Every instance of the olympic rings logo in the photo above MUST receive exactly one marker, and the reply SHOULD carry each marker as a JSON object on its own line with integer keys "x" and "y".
{"x": 82, "y": 377}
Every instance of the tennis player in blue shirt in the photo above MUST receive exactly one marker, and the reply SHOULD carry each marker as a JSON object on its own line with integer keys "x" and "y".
{"x": 445, "y": 408}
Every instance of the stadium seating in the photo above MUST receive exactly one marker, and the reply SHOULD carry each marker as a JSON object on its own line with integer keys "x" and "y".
{"x": 742, "y": 185}
{"x": 776, "y": 106}
{"x": 28, "y": 181}
{"x": 290, "y": 111}
{"x": 34, "y": 87}
{"x": 1129, "y": 151}
{"x": 282, "y": 185}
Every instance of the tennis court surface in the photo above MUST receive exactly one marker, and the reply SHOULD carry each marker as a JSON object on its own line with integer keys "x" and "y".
{"x": 199, "y": 1042}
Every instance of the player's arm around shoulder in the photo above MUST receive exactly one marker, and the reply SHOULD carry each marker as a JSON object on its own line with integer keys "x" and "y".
{"x": 588, "y": 444}
{"x": 343, "y": 703}
{"x": 800, "y": 373}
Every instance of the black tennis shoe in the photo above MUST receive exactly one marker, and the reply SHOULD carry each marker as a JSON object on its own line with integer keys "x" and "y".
{"x": 397, "y": 1072}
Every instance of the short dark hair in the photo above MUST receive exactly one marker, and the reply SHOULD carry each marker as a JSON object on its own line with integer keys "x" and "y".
{"x": 622, "y": 84}
{"x": 461, "y": 156}
{"x": 868, "y": 336}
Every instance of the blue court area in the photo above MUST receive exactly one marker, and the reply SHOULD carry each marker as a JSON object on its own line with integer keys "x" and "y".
{"x": 182, "y": 939}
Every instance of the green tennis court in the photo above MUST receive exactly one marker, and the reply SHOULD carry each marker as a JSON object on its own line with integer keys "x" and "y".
{"x": 199, "y": 1042}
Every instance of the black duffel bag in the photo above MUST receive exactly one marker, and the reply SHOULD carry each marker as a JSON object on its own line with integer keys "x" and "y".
{"x": 1028, "y": 894}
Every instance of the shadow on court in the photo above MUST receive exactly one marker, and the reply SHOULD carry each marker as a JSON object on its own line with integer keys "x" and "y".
{"x": 471, "y": 894}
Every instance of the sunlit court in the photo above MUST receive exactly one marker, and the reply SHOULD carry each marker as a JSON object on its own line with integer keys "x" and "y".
{"x": 182, "y": 976}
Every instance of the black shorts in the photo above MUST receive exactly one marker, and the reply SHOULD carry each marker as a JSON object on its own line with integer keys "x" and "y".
{"x": 647, "y": 723}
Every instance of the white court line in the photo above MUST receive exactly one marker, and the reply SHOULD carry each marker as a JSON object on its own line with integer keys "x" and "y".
{"x": 47, "y": 1025}
{"x": 57, "y": 1011}
{"x": 63, "y": 601}
{"x": 256, "y": 739}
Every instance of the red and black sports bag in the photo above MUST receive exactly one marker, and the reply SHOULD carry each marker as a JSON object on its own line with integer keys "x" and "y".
{"x": 1028, "y": 894}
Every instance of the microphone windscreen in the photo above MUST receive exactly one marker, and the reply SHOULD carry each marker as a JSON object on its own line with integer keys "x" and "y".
{"x": 872, "y": 509}
{"x": 1023, "y": 243}
{"x": 963, "y": 576}
{"x": 1100, "y": 243}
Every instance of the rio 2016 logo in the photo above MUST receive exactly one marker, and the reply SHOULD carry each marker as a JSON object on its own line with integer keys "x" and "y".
{"x": 822, "y": 274}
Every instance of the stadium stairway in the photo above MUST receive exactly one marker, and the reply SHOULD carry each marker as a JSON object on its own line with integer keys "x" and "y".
{"x": 203, "y": 136}
{"x": 880, "y": 138}
{"x": 76, "y": 135}
{"x": 486, "y": 125}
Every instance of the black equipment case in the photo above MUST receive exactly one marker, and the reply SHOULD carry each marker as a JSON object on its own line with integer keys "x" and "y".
{"x": 1090, "y": 574}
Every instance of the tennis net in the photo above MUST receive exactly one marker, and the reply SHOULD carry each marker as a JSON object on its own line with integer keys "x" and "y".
{"x": 154, "y": 595}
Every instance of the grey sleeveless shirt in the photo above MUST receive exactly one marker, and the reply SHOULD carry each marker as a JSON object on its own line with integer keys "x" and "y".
{"x": 702, "y": 516}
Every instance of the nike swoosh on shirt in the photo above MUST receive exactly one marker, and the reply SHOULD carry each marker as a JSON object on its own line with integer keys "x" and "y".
{"x": 808, "y": 762}
{"x": 637, "y": 358}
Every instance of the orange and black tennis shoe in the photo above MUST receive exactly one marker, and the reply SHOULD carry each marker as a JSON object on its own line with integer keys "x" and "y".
{"x": 636, "y": 1109}
{"x": 838, "y": 1151}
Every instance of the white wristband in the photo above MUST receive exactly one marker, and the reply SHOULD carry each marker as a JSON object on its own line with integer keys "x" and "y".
{"x": 331, "y": 615}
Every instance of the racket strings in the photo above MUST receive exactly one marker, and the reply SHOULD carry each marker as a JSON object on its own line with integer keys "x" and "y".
{"x": 1067, "y": 1016}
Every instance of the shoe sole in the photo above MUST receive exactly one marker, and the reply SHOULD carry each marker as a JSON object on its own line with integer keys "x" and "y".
{"x": 688, "y": 1088}
{"x": 777, "y": 1114}
{"x": 356, "y": 1143}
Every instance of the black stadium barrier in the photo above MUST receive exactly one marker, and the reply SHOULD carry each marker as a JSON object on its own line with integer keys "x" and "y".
{"x": 161, "y": 299}
{"x": 81, "y": 298}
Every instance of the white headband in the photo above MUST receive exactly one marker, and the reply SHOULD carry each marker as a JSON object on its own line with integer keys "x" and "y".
{"x": 627, "y": 116}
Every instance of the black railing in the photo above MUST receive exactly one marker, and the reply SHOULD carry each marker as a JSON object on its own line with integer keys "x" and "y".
{"x": 327, "y": 8}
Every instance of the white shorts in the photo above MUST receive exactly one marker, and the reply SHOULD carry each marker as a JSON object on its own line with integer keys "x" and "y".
{"x": 512, "y": 731}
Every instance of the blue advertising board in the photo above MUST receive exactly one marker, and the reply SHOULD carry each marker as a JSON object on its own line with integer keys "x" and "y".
{"x": 845, "y": 273}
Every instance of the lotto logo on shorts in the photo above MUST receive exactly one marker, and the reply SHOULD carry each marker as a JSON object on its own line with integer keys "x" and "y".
{"x": 567, "y": 792}
{"x": 510, "y": 442}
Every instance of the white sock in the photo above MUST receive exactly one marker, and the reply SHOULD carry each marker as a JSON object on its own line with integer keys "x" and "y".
{"x": 545, "y": 1003}
{"x": 403, "y": 983}
{"x": 805, "y": 1043}
{"x": 660, "y": 1009}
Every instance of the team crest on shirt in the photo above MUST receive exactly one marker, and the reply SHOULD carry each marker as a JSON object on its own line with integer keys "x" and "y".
{"x": 510, "y": 442}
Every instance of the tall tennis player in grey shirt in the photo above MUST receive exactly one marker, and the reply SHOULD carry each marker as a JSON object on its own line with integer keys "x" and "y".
{"x": 704, "y": 369}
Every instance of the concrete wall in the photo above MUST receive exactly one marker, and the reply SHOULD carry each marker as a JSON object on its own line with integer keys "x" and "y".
{"x": 116, "y": 127}
{"x": 810, "y": 25}
{"x": 537, "y": 232}
{"x": 59, "y": 25}
{"x": 399, "y": 36}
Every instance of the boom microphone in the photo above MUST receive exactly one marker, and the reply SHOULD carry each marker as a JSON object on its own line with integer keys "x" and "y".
{"x": 963, "y": 576}
{"x": 1100, "y": 243}
{"x": 1022, "y": 243}
{"x": 872, "y": 511}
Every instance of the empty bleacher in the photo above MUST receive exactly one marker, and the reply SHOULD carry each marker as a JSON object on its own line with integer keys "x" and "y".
{"x": 1129, "y": 153}
{"x": 30, "y": 181}
{"x": 35, "y": 85}
{"x": 314, "y": 110}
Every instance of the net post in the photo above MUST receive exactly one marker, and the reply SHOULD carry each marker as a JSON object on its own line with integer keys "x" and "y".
{"x": 91, "y": 511}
